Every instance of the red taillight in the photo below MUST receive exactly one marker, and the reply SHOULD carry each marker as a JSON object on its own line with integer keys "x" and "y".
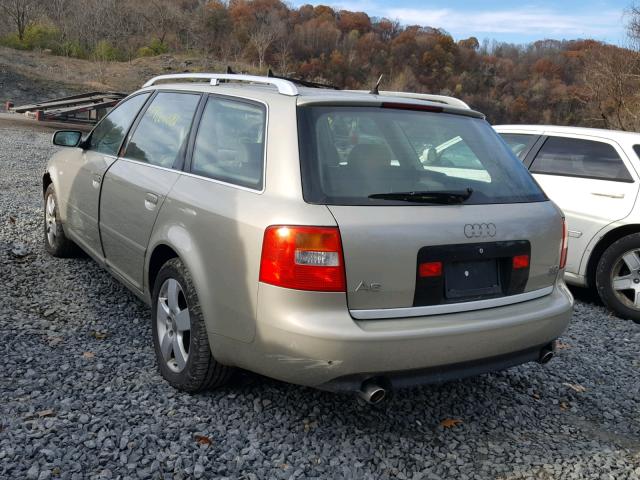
{"x": 430, "y": 269}
{"x": 520, "y": 262}
{"x": 565, "y": 245}
{"x": 303, "y": 258}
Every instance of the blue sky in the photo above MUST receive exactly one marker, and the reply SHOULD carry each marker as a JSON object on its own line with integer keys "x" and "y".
{"x": 517, "y": 22}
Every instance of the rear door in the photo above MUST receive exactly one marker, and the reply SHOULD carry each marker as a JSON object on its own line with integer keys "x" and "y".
{"x": 136, "y": 185}
{"x": 591, "y": 180}
{"x": 422, "y": 240}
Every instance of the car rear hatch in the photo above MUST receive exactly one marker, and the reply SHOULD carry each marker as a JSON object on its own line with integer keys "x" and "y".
{"x": 435, "y": 214}
{"x": 415, "y": 256}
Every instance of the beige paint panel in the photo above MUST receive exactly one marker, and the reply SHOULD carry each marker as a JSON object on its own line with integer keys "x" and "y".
{"x": 381, "y": 243}
{"x": 309, "y": 339}
{"x": 217, "y": 230}
{"x": 127, "y": 217}
{"x": 78, "y": 174}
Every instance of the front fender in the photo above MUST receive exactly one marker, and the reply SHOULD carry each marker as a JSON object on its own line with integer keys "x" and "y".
{"x": 53, "y": 170}
{"x": 62, "y": 168}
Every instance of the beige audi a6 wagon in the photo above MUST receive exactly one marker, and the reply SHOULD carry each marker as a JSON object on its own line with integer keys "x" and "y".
{"x": 314, "y": 236}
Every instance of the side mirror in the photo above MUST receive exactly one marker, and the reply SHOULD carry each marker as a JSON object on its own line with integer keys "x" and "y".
{"x": 67, "y": 138}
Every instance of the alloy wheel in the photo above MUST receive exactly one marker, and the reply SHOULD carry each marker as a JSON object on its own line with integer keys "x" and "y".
{"x": 173, "y": 325}
{"x": 625, "y": 278}
{"x": 51, "y": 223}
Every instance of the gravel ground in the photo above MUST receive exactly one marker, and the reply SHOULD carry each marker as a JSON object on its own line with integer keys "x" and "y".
{"x": 80, "y": 396}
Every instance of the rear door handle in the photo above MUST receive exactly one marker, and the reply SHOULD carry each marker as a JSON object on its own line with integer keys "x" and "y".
{"x": 150, "y": 201}
{"x": 608, "y": 195}
{"x": 96, "y": 181}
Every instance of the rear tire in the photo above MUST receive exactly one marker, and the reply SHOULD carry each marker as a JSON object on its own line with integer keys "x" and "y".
{"x": 180, "y": 336}
{"x": 618, "y": 277}
{"x": 56, "y": 242}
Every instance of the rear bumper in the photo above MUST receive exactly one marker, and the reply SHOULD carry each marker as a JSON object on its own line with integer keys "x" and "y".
{"x": 439, "y": 374}
{"x": 309, "y": 338}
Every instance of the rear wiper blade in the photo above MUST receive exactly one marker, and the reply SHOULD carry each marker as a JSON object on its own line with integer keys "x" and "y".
{"x": 445, "y": 198}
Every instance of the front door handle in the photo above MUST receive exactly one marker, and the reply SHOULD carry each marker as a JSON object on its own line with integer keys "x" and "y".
{"x": 150, "y": 201}
{"x": 96, "y": 181}
{"x": 608, "y": 195}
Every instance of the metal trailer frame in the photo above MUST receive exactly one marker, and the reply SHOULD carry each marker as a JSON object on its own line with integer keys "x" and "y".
{"x": 85, "y": 108}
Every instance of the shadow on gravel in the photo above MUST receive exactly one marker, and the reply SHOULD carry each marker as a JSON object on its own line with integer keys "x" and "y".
{"x": 586, "y": 295}
{"x": 478, "y": 400}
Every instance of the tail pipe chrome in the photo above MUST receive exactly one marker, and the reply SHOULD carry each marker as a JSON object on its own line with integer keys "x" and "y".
{"x": 372, "y": 392}
{"x": 547, "y": 353}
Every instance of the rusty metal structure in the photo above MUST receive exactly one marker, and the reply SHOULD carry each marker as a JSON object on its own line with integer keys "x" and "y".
{"x": 86, "y": 108}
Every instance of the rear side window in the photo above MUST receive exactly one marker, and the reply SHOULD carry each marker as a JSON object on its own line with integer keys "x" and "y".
{"x": 520, "y": 143}
{"x": 575, "y": 157}
{"x": 108, "y": 135}
{"x": 636, "y": 148}
{"x": 229, "y": 145}
{"x": 161, "y": 136}
{"x": 355, "y": 155}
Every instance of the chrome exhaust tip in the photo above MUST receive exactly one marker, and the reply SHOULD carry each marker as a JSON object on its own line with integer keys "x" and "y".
{"x": 546, "y": 354}
{"x": 372, "y": 393}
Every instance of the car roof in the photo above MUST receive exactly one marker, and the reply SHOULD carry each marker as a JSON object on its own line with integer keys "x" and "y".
{"x": 555, "y": 129}
{"x": 307, "y": 96}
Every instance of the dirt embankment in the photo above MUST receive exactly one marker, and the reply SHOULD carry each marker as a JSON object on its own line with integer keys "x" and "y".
{"x": 27, "y": 77}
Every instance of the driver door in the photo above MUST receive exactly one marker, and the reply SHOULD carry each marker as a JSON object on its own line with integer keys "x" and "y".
{"x": 86, "y": 172}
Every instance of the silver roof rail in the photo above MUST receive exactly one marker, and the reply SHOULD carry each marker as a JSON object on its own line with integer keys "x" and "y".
{"x": 285, "y": 87}
{"x": 451, "y": 101}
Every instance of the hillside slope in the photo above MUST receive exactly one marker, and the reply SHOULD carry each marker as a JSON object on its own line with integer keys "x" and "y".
{"x": 28, "y": 76}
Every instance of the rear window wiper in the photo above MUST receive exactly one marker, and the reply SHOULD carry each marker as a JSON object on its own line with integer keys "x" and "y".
{"x": 445, "y": 198}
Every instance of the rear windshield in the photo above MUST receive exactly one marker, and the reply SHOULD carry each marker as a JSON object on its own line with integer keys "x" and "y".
{"x": 350, "y": 153}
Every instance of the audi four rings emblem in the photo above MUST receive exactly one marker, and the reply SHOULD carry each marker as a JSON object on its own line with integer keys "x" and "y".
{"x": 479, "y": 230}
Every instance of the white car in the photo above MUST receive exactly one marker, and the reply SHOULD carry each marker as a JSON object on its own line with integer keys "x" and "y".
{"x": 593, "y": 176}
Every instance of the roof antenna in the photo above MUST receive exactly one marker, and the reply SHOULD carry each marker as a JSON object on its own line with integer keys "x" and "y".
{"x": 270, "y": 73}
{"x": 229, "y": 71}
{"x": 374, "y": 90}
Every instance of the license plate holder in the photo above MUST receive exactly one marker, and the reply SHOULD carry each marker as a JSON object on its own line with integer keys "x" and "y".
{"x": 475, "y": 278}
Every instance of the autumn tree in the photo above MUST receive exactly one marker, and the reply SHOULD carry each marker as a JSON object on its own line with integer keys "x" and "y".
{"x": 160, "y": 16}
{"x": 258, "y": 23}
{"x": 265, "y": 31}
{"x": 21, "y": 13}
{"x": 214, "y": 28}
{"x": 612, "y": 78}
{"x": 349, "y": 21}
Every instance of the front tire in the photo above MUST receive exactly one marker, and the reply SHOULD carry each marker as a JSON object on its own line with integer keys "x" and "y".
{"x": 56, "y": 242}
{"x": 180, "y": 337}
{"x": 618, "y": 277}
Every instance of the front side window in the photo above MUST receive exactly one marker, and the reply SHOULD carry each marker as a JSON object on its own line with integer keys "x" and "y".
{"x": 108, "y": 135}
{"x": 520, "y": 143}
{"x": 229, "y": 145}
{"x": 161, "y": 136}
{"x": 575, "y": 157}
{"x": 356, "y": 155}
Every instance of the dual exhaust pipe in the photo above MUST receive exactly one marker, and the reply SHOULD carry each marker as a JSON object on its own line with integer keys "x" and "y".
{"x": 373, "y": 392}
